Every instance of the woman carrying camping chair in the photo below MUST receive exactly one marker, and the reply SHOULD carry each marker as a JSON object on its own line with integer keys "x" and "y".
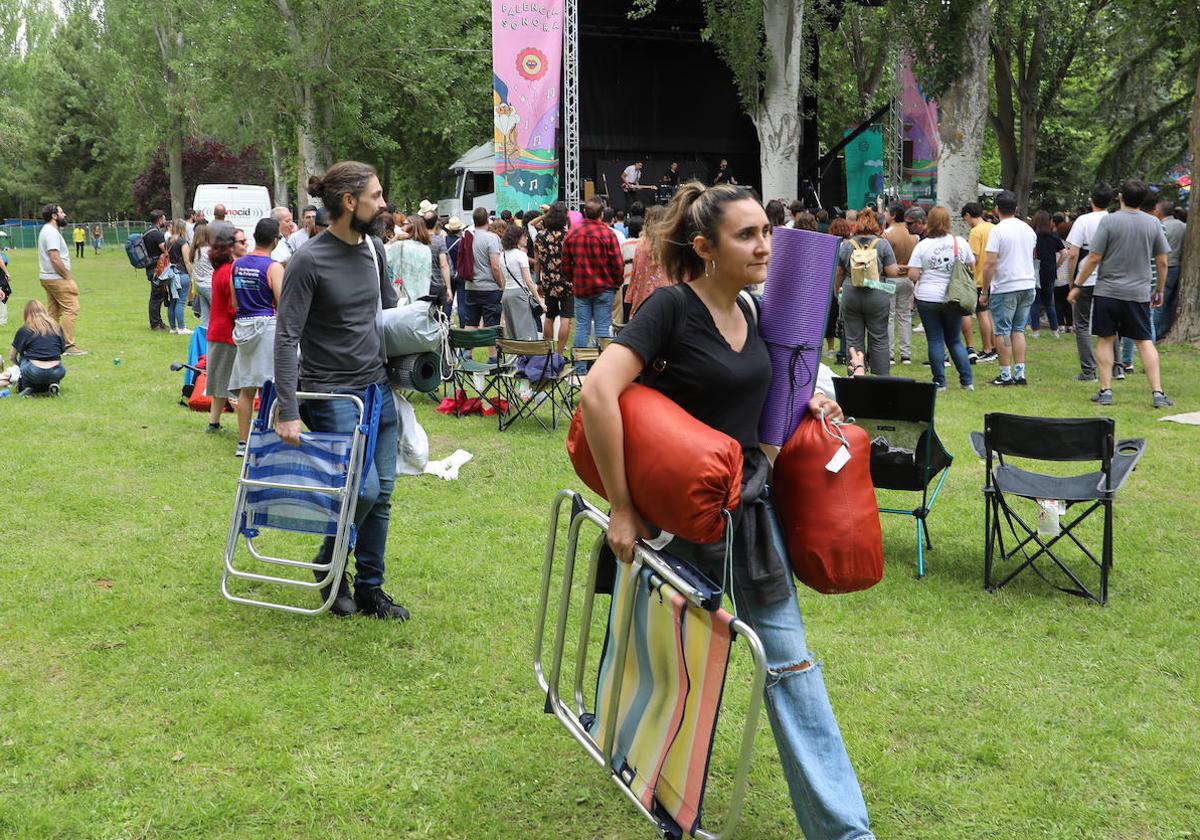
{"x": 699, "y": 345}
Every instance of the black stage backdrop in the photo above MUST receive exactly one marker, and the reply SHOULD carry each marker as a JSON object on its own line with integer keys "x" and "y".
{"x": 650, "y": 89}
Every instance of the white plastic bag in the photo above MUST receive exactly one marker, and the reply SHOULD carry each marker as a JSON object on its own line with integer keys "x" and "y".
{"x": 410, "y": 329}
{"x": 413, "y": 445}
{"x": 1049, "y": 510}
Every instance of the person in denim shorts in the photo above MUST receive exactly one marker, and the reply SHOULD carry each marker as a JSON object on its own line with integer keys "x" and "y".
{"x": 1009, "y": 284}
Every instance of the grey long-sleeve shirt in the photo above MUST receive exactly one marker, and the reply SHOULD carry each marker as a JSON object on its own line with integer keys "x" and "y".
{"x": 331, "y": 294}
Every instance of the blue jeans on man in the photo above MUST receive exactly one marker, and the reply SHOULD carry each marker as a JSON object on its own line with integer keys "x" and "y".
{"x": 592, "y": 311}
{"x": 373, "y": 513}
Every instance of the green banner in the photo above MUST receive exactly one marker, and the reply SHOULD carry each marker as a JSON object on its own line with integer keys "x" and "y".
{"x": 864, "y": 168}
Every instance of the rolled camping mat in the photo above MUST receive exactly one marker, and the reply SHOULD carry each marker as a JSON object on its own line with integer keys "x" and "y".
{"x": 795, "y": 306}
{"x": 418, "y": 372}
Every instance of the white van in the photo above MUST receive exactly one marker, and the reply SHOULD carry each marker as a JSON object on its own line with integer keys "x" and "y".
{"x": 244, "y": 204}
{"x": 469, "y": 183}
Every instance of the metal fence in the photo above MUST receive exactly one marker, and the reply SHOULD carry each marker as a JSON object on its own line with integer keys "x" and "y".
{"x": 23, "y": 233}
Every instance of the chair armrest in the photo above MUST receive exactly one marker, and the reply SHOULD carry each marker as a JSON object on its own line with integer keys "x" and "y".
{"x": 1125, "y": 460}
{"x": 976, "y": 439}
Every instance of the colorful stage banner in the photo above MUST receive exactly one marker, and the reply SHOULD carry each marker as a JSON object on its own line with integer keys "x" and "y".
{"x": 920, "y": 117}
{"x": 527, "y": 41}
{"x": 864, "y": 168}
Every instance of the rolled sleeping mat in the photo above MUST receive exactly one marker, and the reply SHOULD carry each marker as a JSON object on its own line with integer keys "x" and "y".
{"x": 417, "y": 372}
{"x": 795, "y": 306}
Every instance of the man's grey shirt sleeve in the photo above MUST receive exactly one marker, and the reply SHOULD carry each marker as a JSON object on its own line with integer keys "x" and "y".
{"x": 295, "y": 299}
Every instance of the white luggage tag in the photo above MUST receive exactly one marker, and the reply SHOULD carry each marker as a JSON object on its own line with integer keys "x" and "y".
{"x": 842, "y": 456}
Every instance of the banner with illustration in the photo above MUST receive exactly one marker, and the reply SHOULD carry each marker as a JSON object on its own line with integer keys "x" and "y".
{"x": 526, "y": 71}
{"x": 864, "y": 168}
{"x": 920, "y": 132}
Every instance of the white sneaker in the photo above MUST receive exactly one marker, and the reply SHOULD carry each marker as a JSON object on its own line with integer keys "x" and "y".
{"x": 171, "y": 330}
{"x": 183, "y": 331}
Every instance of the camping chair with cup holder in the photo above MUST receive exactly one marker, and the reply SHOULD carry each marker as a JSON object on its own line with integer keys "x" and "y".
{"x": 659, "y": 679}
{"x": 906, "y": 453}
{"x": 1052, "y": 440}
{"x": 310, "y": 489}
{"x": 531, "y": 376}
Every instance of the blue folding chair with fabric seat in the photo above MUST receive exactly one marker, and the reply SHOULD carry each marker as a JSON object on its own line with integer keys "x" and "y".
{"x": 660, "y": 677}
{"x": 310, "y": 489}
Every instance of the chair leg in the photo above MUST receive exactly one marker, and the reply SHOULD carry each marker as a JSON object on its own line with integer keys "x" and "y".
{"x": 1106, "y": 556}
{"x": 987, "y": 541}
{"x": 920, "y": 550}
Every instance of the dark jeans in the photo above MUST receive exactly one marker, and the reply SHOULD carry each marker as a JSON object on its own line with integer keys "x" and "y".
{"x": 1082, "y": 314}
{"x": 158, "y": 296}
{"x": 1164, "y": 316}
{"x": 1043, "y": 301}
{"x": 943, "y": 330}
{"x": 375, "y": 504}
{"x": 40, "y": 379}
{"x": 1062, "y": 307}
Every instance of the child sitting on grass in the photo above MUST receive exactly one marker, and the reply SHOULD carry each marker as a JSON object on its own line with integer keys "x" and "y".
{"x": 37, "y": 349}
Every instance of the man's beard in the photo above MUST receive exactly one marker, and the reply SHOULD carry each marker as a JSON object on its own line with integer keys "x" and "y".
{"x": 374, "y": 227}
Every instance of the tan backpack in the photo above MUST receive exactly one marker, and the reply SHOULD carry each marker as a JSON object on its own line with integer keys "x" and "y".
{"x": 864, "y": 265}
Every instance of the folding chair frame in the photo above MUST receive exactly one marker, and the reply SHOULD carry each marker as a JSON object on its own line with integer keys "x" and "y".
{"x": 921, "y": 513}
{"x": 556, "y": 388}
{"x": 347, "y": 495}
{"x": 462, "y": 379}
{"x": 997, "y": 507}
{"x": 569, "y": 717}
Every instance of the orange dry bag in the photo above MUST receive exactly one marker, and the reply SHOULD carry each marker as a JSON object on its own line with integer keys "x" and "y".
{"x": 830, "y": 520}
{"x": 682, "y": 473}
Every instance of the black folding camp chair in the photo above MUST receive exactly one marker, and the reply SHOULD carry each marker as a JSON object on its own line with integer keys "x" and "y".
{"x": 522, "y": 397}
{"x": 906, "y": 453}
{"x": 1050, "y": 440}
{"x": 468, "y": 376}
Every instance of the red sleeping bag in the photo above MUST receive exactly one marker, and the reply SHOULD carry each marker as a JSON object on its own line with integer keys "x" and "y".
{"x": 682, "y": 473}
{"x": 830, "y": 520}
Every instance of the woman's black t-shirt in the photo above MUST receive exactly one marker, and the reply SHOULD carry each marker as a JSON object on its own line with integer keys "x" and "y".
{"x": 175, "y": 253}
{"x": 38, "y": 347}
{"x": 703, "y": 374}
{"x": 1048, "y": 246}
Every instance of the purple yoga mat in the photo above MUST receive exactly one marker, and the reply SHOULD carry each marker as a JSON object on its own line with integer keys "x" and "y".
{"x": 795, "y": 307}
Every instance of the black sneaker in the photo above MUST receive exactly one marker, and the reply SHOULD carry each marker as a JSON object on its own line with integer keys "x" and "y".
{"x": 1104, "y": 397}
{"x": 1161, "y": 400}
{"x": 1118, "y": 372}
{"x": 1086, "y": 377}
{"x": 53, "y": 389}
{"x": 378, "y": 604}
{"x": 1003, "y": 383}
{"x": 344, "y": 603}
{"x": 972, "y": 356}
{"x": 1020, "y": 380}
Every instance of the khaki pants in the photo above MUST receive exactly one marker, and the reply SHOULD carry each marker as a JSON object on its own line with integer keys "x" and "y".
{"x": 62, "y": 302}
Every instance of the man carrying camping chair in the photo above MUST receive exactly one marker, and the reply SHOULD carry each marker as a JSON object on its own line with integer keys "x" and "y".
{"x": 334, "y": 291}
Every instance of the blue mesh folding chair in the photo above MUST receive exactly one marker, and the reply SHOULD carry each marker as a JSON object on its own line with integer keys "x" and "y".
{"x": 310, "y": 489}
{"x": 660, "y": 678}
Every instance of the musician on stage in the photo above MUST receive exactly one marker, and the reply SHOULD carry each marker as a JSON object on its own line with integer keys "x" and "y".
{"x": 631, "y": 178}
{"x": 724, "y": 175}
{"x": 670, "y": 178}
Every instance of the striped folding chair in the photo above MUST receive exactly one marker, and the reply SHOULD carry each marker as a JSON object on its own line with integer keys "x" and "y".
{"x": 660, "y": 680}
{"x": 310, "y": 489}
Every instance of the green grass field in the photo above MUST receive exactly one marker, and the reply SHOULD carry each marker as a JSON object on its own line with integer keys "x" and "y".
{"x": 136, "y": 703}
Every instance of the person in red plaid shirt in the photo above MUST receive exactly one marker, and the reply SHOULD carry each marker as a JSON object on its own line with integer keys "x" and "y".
{"x": 592, "y": 264}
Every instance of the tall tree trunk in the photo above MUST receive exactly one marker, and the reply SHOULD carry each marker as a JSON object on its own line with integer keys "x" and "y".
{"x": 327, "y": 132}
{"x": 281, "y": 185}
{"x": 306, "y": 122}
{"x": 964, "y": 111}
{"x": 778, "y": 115}
{"x": 1187, "y": 318}
{"x": 175, "y": 166}
{"x": 1004, "y": 122}
{"x": 1027, "y": 157}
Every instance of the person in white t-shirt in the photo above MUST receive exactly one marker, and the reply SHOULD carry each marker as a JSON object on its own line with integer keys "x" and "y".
{"x": 1078, "y": 244}
{"x": 929, "y": 267}
{"x": 1009, "y": 284}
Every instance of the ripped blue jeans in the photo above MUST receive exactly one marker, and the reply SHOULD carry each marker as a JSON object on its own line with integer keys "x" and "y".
{"x": 825, "y": 793}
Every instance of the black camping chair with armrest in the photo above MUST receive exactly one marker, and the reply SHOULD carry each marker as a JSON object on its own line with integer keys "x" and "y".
{"x": 1050, "y": 440}
{"x": 468, "y": 375}
{"x": 906, "y": 453}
